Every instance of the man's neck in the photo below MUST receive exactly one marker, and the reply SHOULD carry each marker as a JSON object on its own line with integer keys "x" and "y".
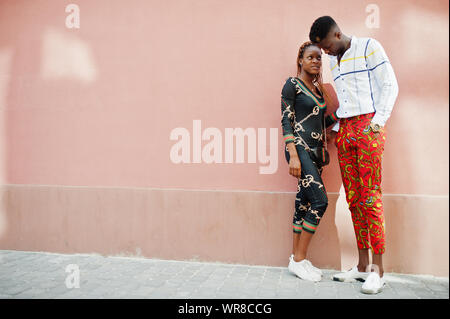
{"x": 347, "y": 43}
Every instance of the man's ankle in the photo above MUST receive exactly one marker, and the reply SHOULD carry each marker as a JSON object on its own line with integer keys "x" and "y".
{"x": 362, "y": 268}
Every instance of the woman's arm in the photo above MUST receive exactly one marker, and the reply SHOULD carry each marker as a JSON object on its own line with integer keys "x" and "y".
{"x": 331, "y": 119}
{"x": 287, "y": 111}
{"x": 287, "y": 117}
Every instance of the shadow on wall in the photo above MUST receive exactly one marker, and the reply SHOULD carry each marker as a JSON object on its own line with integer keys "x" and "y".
{"x": 325, "y": 247}
{"x": 5, "y": 66}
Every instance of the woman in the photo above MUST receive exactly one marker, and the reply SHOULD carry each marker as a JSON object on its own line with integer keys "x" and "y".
{"x": 303, "y": 109}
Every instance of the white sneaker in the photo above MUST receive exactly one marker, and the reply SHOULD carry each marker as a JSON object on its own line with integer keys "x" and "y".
{"x": 310, "y": 266}
{"x": 351, "y": 276}
{"x": 301, "y": 270}
{"x": 373, "y": 284}
{"x": 315, "y": 269}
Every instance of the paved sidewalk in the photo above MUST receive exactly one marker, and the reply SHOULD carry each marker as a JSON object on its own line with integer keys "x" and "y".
{"x": 26, "y": 275}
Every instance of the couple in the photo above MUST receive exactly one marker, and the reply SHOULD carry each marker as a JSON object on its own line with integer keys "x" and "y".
{"x": 366, "y": 89}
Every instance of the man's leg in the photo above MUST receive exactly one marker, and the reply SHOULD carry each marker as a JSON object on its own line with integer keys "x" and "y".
{"x": 370, "y": 151}
{"x": 348, "y": 163}
{"x": 377, "y": 260}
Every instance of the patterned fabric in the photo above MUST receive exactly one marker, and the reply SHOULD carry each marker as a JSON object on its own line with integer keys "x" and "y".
{"x": 311, "y": 200}
{"x": 365, "y": 81}
{"x": 360, "y": 153}
{"x": 302, "y": 117}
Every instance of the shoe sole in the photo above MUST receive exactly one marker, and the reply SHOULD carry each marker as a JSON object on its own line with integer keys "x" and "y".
{"x": 372, "y": 292}
{"x": 293, "y": 273}
{"x": 318, "y": 273}
{"x": 349, "y": 280}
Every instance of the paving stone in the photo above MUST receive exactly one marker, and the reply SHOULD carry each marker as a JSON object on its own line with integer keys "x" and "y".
{"x": 422, "y": 293}
{"x": 202, "y": 295}
{"x": 74, "y": 293}
{"x": 293, "y": 295}
{"x": 226, "y": 295}
{"x": 266, "y": 293}
{"x": 43, "y": 275}
{"x": 31, "y": 294}
{"x": 437, "y": 287}
{"x": 182, "y": 294}
{"x": 441, "y": 295}
{"x": 14, "y": 290}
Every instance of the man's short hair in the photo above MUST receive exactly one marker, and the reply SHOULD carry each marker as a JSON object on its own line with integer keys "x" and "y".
{"x": 320, "y": 28}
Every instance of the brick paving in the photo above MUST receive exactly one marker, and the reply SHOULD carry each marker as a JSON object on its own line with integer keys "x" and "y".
{"x": 39, "y": 275}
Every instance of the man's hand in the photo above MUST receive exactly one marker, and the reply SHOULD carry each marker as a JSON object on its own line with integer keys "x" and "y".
{"x": 376, "y": 129}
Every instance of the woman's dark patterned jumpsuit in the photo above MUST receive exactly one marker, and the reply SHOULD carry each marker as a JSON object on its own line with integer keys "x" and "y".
{"x": 302, "y": 121}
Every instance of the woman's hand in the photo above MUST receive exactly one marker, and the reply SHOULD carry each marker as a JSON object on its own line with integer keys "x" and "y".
{"x": 294, "y": 166}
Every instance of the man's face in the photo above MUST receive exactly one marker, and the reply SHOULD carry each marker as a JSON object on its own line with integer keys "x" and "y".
{"x": 331, "y": 45}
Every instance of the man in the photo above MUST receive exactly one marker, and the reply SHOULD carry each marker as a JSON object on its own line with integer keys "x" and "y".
{"x": 367, "y": 89}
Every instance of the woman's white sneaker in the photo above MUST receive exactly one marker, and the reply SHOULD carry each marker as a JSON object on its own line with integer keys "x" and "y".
{"x": 350, "y": 276}
{"x": 310, "y": 266}
{"x": 302, "y": 270}
{"x": 373, "y": 284}
{"x": 315, "y": 269}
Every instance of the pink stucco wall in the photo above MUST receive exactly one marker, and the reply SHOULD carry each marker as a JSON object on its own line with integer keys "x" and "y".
{"x": 92, "y": 109}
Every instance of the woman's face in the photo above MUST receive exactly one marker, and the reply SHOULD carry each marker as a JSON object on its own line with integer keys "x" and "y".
{"x": 312, "y": 60}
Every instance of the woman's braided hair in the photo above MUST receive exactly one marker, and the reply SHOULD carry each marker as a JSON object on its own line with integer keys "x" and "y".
{"x": 318, "y": 78}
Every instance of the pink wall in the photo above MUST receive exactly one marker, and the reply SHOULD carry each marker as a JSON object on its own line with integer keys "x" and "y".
{"x": 94, "y": 107}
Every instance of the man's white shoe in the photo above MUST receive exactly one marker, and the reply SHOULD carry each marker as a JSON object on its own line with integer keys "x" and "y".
{"x": 350, "y": 276}
{"x": 301, "y": 270}
{"x": 373, "y": 284}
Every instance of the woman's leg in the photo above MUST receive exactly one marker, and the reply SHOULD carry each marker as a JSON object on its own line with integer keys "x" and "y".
{"x": 296, "y": 245}
{"x": 303, "y": 240}
{"x": 301, "y": 207}
{"x": 311, "y": 191}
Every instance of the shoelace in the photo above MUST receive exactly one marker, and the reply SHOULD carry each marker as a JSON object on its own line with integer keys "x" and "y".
{"x": 310, "y": 265}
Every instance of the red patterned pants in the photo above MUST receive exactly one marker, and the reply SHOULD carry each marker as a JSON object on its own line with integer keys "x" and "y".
{"x": 360, "y": 152}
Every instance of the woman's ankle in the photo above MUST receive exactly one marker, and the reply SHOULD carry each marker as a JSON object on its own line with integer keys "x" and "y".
{"x": 299, "y": 258}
